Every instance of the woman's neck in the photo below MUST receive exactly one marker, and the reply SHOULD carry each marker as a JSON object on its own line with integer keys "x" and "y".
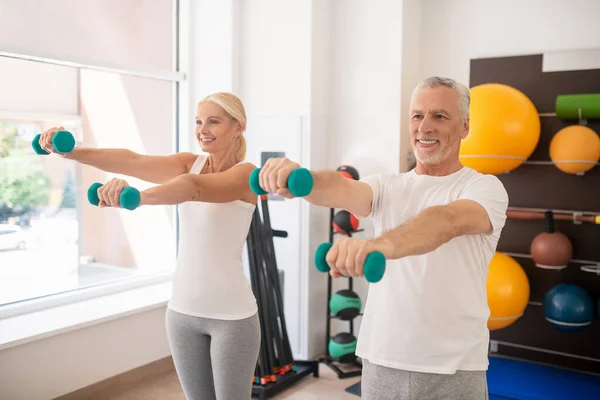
{"x": 219, "y": 162}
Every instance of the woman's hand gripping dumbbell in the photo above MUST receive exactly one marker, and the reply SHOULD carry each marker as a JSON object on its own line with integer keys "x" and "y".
{"x": 351, "y": 257}
{"x": 282, "y": 177}
{"x": 55, "y": 140}
{"x": 115, "y": 193}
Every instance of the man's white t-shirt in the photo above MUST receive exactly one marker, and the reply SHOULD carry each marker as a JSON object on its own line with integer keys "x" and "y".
{"x": 429, "y": 312}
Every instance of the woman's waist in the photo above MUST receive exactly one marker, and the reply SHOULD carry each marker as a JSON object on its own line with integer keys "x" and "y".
{"x": 218, "y": 271}
{"x": 209, "y": 260}
{"x": 194, "y": 284}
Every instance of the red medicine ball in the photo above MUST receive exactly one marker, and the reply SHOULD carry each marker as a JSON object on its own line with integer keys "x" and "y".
{"x": 348, "y": 172}
{"x": 344, "y": 222}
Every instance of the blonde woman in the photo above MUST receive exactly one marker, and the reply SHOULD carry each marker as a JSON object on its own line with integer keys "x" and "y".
{"x": 212, "y": 321}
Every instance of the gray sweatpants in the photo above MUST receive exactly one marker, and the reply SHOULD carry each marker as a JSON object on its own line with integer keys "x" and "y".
{"x": 214, "y": 359}
{"x": 383, "y": 383}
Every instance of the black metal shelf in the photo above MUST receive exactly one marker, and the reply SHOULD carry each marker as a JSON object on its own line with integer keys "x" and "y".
{"x": 327, "y": 359}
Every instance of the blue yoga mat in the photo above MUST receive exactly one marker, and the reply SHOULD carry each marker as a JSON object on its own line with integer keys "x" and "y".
{"x": 520, "y": 380}
{"x": 513, "y": 379}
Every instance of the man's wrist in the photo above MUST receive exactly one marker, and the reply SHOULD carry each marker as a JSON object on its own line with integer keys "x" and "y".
{"x": 384, "y": 246}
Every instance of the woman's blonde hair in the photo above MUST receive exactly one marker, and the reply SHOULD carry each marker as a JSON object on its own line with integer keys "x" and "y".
{"x": 234, "y": 109}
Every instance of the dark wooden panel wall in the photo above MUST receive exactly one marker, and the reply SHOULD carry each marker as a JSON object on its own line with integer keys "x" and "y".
{"x": 546, "y": 187}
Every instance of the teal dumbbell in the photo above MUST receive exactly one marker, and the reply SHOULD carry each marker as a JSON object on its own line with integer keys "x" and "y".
{"x": 63, "y": 142}
{"x": 300, "y": 182}
{"x": 129, "y": 198}
{"x": 373, "y": 269}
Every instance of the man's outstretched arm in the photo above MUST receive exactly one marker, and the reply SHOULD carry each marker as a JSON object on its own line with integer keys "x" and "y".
{"x": 424, "y": 233}
{"x": 330, "y": 188}
{"x": 434, "y": 227}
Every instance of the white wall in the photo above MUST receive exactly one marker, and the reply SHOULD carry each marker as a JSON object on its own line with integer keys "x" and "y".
{"x": 274, "y": 57}
{"x": 211, "y": 46}
{"x": 365, "y": 85}
{"x": 411, "y": 23}
{"x": 52, "y": 367}
{"x": 454, "y": 31}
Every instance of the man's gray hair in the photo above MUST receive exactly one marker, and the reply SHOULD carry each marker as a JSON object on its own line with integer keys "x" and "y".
{"x": 464, "y": 96}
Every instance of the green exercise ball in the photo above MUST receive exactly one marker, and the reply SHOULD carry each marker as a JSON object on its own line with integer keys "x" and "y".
{"x": 342, "y": 347}
{"x": 345, "y": 304}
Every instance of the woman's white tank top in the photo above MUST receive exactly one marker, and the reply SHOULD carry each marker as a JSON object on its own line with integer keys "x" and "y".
{"x": 209, "y": 280}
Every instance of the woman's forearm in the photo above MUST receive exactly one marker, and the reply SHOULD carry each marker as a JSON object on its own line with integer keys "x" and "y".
{"x": 176, "y": 191}
{"x": 219, "y": 187}
{"x": 155, "y": 169}
{"x": 118, "y": 161}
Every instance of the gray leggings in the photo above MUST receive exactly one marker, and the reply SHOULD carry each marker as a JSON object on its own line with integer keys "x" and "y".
{"x": 214, "y": 359}
{"x": 383, "y": 383}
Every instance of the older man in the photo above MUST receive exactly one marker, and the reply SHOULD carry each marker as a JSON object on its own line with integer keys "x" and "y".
{"x": 424, "y": 331}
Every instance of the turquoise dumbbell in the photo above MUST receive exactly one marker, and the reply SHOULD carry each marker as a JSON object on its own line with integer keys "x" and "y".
{"x": 300, "y": 182}
{"x": 373, "y": 269}
{"x": 129, "y": 198}
{"x": 62, "y": 141}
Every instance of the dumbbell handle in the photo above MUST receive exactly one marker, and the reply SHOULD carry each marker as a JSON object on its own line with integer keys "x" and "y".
{"x": 300, "y": 182}
{"x": 129, "y": 198}
{"x": 373, "y": 269}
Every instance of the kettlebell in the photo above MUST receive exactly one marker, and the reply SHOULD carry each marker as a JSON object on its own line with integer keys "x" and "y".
{"x": 551, "y": 249}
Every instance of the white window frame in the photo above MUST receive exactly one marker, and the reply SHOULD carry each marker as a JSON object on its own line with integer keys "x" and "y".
{"x": 179, "y": 78}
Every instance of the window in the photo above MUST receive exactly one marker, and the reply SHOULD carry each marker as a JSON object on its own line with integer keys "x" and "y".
{"x": 112, "y": 83}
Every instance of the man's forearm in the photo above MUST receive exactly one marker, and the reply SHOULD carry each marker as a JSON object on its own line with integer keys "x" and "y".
{"x": 328, "y": 189}
{"x": 331, "y": 189}
{"x": 426, "y": 232}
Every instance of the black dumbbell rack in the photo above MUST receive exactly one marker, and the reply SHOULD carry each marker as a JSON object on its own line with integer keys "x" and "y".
{"x": 327, "y": 359}
{"x": 276, "y": 368}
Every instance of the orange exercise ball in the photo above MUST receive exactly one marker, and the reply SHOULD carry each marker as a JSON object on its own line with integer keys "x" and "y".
{"x": 575, "y": 149}
{"x": 507, "y": 291}
{"x": 504, "y": 129}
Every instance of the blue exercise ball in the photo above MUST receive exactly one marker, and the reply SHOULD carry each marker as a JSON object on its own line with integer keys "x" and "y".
{"x": 568, "y": 307}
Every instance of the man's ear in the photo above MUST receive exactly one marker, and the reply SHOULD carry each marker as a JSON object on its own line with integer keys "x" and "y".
{"x": 465, "y": 128}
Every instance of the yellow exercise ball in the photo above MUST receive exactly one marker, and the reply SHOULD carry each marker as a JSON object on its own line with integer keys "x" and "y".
{"x": 504, "y": 129}
{"x": 507, "y": 291}
{"x": 575, "y": 149}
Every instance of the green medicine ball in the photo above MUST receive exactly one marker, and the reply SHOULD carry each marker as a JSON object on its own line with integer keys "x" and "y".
{"x": 345, "y": 304}
{"x": 342, "y": 347}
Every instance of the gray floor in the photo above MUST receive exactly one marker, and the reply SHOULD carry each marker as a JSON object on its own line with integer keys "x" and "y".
{"x": 326, "y": 387}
